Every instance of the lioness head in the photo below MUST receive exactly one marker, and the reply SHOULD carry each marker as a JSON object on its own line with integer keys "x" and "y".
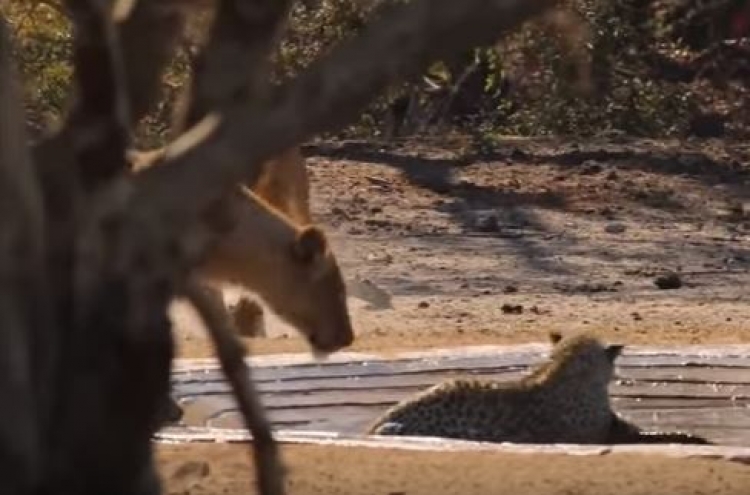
{"x": 315, "y": 302}
{"x": 292, "y": 268}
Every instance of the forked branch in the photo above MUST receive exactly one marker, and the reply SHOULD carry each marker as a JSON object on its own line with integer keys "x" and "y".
{"x": 403, "y": 41}
{"x": 115, "y": 87}
{"x": 234, "y": 65}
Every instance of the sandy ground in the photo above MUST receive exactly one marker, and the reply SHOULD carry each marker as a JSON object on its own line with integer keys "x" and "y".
{"x": 575, "y": 234}
{"x": 225, "y": 469}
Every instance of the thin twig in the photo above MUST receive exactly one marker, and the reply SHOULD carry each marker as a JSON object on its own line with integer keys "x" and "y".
{"x": 268, "y": 465}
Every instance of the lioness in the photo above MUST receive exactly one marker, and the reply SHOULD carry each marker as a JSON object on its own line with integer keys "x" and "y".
{"x": 289, "y": 265}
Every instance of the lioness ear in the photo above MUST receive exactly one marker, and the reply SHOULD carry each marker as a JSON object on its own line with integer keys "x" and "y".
{"x": 555, "y": 336}
{"x": 310, "y": 244}
{"x": 613, "y": 351}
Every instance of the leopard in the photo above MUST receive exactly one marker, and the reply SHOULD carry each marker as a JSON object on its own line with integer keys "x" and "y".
{"x": 564, "y": 400}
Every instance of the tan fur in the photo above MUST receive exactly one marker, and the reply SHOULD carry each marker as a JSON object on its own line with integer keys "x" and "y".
{"x": 285, "y": 185}
{"x": 248, "y": 318}
{"x": 280, "y": 257}
{"x": 565, "y": 400}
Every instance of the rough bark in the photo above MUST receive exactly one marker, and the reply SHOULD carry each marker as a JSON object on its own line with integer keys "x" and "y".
{"x": 234, "y": 66}
{"x": 99, "y": 119}
{"x": 21, "y": 255}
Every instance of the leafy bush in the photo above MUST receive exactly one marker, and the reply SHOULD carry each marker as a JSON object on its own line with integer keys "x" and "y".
{"x": 43, "y": 47}
{"x": 626, "y": 66}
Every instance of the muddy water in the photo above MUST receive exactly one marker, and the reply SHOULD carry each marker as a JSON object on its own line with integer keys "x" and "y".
{"x": 706, "y": 392}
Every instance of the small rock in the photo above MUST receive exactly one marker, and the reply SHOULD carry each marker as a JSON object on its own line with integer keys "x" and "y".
{"x": 668, "y": 281}
{"x": 518, "y": 154}
{"x": 458, "y": 205}
{"x": 510, "y": 234}
{"x": 612, "y": 175}
{"x": 591, "y": 167}
{"x": 384, "y": 258}
{"x": 710, "y": 125}
{"x": 423, "y": 305}
{"x": 512, "y": 309}
{"x": 372, "y": 222}
{"x": 510, "y": 289}
{"x": 584, "y": 288}
{"x": 486, "y": 223}
{"x": 192, "y": 469}
{"x": 615, "y": 228}
{"x": 636, "y": 316}
{"x": 378, "y": 181}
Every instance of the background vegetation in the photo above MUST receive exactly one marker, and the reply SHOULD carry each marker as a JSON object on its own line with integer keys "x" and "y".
{"x": 653, "y": 68}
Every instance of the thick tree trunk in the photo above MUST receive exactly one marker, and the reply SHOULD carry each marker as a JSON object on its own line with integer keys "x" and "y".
{"x": 90, "y": 256}
{"x": 21, "y": 257}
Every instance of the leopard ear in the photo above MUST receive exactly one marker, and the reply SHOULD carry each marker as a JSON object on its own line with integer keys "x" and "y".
{"x": 555, "y": 336}
{"x": 613, "y": 351}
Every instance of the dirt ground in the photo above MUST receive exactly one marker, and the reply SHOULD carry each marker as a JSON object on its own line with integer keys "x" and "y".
{"x": 225, "y": 469}
{"x": 501, "y": 249}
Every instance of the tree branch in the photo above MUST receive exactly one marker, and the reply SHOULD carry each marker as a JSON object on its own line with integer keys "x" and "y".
{"x": 149, "y": 35}
{"x": 268, "y": 466}
{"x": 234, "y": 66}
{"x": 99, "y": 122}
{"x": 237, "y": 140}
